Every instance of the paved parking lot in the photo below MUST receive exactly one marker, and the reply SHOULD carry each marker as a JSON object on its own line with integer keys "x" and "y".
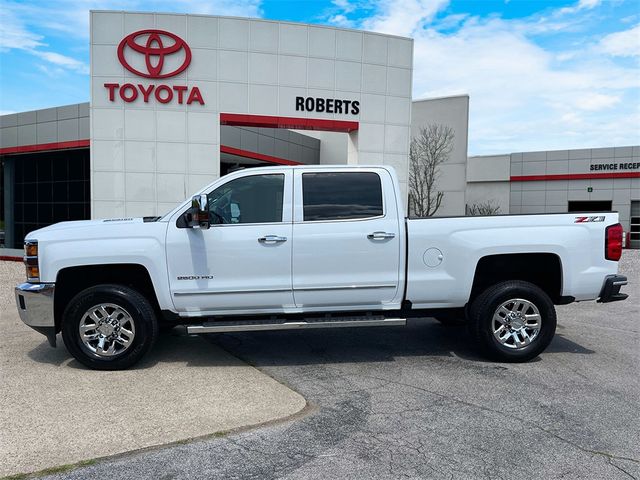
{"x": 53, "y": 411}
{"x": 417, "y": 402}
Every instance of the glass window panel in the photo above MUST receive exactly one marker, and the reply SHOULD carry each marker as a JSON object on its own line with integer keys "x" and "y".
{"x": 340, "y": 196}
{"x": 252, "y": 199}
{"x": 39, "y": 201}
{"x": 76, "y": 211}
{"x": 45, "y": 213}
{"x": 44, "y": 191}
{"x": 76, "y": 191}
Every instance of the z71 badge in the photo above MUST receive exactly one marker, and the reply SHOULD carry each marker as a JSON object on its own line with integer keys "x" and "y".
{"x": 195, "y": 277}
{"x": 599, "y": 218}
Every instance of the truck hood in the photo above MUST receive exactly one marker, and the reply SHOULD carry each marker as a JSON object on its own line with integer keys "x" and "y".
{"x": 87, "y": 224}
{"x": 137, "y": 241}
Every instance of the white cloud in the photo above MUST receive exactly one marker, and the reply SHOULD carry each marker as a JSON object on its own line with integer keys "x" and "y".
{"x": 589, "y": 4}
{"x": 402, "y": 17}
{"x": 597, "y": 101}
{"x": 571, "y": 118}
{"x": 344, "y": 5}
{"x": 62, "y": 61}
{"x": 51, "y": 71}
{"x": 522, "y": 95}
{"x": 26, "y": 26}
{"x": 13, "y": 33}
{"x": 622, "y": 44}
{"x": 71, "y": 17}
{"x": 238, "y": 8}
{"x": 341, "y": 20}
{"x": 452, "y": 21}
{"x": 581, "y": 5}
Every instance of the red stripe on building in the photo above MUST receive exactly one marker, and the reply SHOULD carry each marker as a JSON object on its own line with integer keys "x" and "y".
{"x": 293, "y": 123}
{"x": 573, "y": 176}
{"x": 256, "y": 156}
{"x": 41, "y": 147}
{"x": 10, "y": 258}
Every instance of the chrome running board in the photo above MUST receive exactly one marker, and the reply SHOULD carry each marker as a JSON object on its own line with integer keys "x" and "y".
{"x": 263, "y": 325}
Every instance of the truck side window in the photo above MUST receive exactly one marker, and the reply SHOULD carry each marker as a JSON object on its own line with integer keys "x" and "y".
{"x": 340, "y": 196}
{"x": 251, "y": 199}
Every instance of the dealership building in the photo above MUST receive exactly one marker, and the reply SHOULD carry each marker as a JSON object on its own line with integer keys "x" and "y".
{"x": 177, "y": 101}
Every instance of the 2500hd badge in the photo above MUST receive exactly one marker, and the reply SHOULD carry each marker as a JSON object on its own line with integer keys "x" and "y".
{"x": 195, "y": 277}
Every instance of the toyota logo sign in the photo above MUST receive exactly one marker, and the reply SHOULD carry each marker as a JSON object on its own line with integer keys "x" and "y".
{"x": 154, "y": 51}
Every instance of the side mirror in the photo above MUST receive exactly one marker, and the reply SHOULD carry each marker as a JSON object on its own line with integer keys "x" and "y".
{"x": 198, "y": 214}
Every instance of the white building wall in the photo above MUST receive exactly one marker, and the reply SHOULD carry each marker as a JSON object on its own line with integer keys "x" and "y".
{"x": 453, "y": 112}
{"x": 546, "y": 181}
{"x": 488, "y": 168}
{"x": 333, "y": 146}
{"x": 488, "y": 181}
{"x": 554, "y": 195}
{"x": 492, "y": 193}
{"x": 146, "y": 157}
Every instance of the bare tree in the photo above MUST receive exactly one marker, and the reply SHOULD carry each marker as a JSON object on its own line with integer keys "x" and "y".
{"x": 483, "y": 208}
{"x": 428, "y": 150}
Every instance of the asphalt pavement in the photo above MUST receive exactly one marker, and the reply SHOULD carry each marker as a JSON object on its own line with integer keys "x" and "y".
{"x": 418, "y": 402}
{"x": 54, "y": 411}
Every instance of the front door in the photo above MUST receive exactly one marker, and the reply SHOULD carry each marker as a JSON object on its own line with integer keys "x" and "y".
{"x": 243, "y": 261}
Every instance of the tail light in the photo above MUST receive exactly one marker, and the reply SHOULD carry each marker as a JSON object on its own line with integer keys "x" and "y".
{"x": 613, "y": 242}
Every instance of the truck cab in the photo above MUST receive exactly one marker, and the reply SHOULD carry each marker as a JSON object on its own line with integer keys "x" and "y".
{"x": 283, "y": 240}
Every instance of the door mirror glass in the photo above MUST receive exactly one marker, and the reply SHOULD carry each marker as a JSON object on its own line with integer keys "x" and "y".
{"x": 198, "y": 215}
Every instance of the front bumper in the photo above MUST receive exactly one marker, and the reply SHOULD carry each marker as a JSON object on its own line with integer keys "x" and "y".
{"x": 611, "y": 289}
{"x": 35, "y": 307}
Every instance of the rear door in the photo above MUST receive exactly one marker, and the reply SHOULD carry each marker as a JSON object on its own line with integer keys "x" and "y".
{"x": 346, "y": 239}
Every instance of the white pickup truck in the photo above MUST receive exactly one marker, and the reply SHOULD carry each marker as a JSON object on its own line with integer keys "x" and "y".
{"x": 306, "y": 247}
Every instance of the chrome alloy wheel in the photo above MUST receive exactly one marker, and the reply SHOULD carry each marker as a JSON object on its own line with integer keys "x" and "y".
{"x": 516, "y": 323}
{"x": 107, "y": 329}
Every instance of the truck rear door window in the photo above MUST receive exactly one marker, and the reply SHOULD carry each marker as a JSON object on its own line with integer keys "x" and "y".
{"x": 341, "y": 196}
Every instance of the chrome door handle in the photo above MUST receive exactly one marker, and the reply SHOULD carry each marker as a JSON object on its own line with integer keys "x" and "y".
{"x": 380, "y": 236}
{"x": 272, "y": 238}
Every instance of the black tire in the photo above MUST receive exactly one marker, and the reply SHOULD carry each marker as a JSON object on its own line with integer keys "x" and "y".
{"x": 485, "y": 305}
{"x": 140, "y": 311}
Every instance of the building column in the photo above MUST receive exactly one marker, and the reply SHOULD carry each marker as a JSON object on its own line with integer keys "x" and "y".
{"x": 352, "y": 148}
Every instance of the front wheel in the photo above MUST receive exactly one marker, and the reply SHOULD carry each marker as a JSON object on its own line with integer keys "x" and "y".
{"x": 512, "y": 321}
{"x": 109, "y": 327}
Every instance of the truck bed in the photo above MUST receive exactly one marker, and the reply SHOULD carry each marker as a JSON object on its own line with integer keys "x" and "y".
{"x": 576, "y": 238}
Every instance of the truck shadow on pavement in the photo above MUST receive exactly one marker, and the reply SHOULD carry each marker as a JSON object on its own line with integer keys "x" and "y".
{"x": 423, "y": 338}
{"x": 170, "y": 348}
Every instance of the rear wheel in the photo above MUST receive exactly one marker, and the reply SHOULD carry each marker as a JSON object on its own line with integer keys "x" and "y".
{"x": 512, "y": 321}
{"x": 109, "y": 327}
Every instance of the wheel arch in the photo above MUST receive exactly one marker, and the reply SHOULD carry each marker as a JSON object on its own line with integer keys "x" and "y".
{"x": 542, "y": 269}
{"x": 72, "y": 280}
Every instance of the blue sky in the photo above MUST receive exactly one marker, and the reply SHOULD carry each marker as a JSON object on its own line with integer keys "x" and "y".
{"x": 540, "y": 74}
